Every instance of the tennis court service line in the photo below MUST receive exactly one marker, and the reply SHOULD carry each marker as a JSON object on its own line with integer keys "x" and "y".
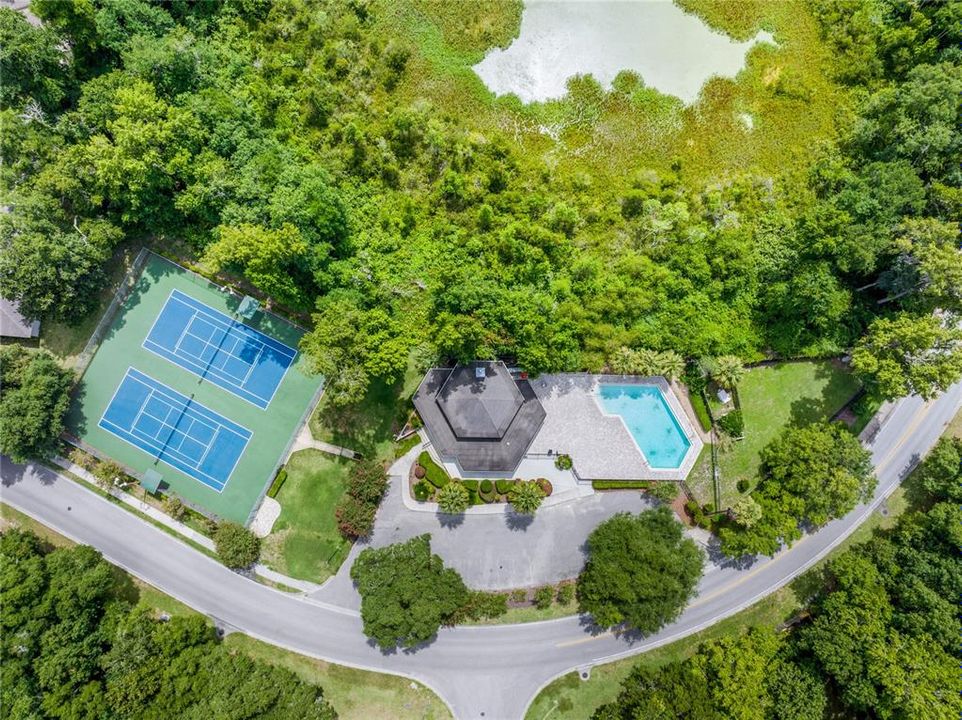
{"x": 214, "y": 346}
{"x": 175, "y": 429}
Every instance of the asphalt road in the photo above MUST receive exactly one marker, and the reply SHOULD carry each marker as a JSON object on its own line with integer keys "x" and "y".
{"x": 481, "y": 672}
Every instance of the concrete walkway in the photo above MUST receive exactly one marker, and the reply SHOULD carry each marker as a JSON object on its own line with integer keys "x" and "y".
{"x": 181, "y": 529}
{"x": 305, "y": 440}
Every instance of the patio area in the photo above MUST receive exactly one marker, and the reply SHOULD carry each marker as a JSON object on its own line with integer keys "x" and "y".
{"x": 600, "y": 444}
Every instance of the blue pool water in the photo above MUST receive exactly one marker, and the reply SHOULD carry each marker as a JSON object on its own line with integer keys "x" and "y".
{"x": 650, "y": 422}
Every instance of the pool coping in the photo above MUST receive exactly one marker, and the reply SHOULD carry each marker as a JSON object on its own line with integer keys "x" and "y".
{"x": 598, "y": 399}
{"x": 637, "y": 468}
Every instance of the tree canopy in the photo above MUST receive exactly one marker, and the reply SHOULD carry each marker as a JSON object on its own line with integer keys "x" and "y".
{"x": 75, "y": 647}
{"x": 36, "y": 395}
{"x": 406, "y": 592}
{"x": 641, "y": 571}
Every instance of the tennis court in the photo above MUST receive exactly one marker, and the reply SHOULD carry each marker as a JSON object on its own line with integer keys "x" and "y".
{"x": 185, "y": 385}
{"x": 215, "y": 347}
{"x": 174, "y": 429}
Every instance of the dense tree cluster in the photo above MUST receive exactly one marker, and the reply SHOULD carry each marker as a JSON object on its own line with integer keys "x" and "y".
{"x": 641, "y": 571}
{"x": 36, "y": 395}
{"x": 880, "y": 639}
{"x": 73, "y": 647}
{"x": 406, "y": 592}
{"x": 810, "y": 475}
{"x": 282, "y": 142}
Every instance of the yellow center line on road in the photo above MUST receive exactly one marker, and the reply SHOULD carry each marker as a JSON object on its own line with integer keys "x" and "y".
{"x": 920, "y": 416}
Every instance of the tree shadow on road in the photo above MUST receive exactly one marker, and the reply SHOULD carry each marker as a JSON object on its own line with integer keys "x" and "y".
{"x": 518, "y": 522}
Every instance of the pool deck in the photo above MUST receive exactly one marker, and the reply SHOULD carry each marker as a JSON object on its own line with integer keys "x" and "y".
{"x": 600, "y": 444}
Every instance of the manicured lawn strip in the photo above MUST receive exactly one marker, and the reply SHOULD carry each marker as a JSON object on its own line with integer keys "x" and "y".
{"x": 529, "y": 613}
{"x": 774, "y": 397}
{"x": 305, "y": 542}
{"x": 355, "y": 694}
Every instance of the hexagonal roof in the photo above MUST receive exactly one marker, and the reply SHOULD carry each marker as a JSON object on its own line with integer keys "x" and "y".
{"x": 480, "y": 400}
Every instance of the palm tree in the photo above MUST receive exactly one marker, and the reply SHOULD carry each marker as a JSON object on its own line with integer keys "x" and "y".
{"x": 646, "y": 362}
{"x": 670, "y": 364}
{"x": 526, "y": 497}
{"x": 622, "y": 361}
{"x": 728, "y": 371}
{"x": 453, "y": 498}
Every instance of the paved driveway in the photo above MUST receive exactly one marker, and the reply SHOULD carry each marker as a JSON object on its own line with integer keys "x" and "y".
{"x": 492, "y": 552}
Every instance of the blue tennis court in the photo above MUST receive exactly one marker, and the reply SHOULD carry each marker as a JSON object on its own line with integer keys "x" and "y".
{"x": 175, "y": 429}
{"x": 216, "y": 347}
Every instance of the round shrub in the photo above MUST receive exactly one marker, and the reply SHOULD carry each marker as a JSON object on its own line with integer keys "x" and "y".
{"x": 546, "y": 487}
{"x": 486, "y": 487}
{"x": 419, "y": 471}
{"x": 543, "y": 597}
{"x": 563, "y": 462}
{"x": 742, "y": 485}
{"x": 422, "y": 491}
{"x": 503, "y": 486}
{"x": 453, "y": 498}
{"x": 237, "y": 547}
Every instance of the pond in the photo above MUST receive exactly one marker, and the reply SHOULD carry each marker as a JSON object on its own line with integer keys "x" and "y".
{"x": 672, "y": 51}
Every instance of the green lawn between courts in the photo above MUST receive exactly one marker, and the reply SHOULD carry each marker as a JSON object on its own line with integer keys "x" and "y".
{"x": 774, "y": 397}
{"x": 122, "y": 348}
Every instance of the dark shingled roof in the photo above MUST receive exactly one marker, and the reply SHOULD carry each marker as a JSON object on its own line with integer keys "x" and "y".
{"x": 485, "y": 424}
{"x": 480, "y": 401}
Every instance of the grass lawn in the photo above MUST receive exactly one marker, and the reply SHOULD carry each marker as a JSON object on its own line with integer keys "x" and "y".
{"x": 775, "y": 397}
{"x": 355, "y": 694}
{"x": 369, "y": 426}
{"x": 305, "y": 542}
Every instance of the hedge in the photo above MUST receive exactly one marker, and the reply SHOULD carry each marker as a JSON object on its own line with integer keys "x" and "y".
{"x": 504, "y": 486}
{"x": 472, "y": 487}
{"x": 278, "y": 481}
{"x": 433, "y": 473}
{"x": 620, "y": 484}
{"x": 701, "y": 410}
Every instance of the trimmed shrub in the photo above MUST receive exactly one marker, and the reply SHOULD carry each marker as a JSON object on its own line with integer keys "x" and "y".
{"x": 419, "y": 471}
{"x": 519, "y": 596}
{"x": 543, "y": 597}
{"x": 733, "y": 424}
{"x": 480, "y": 605}
{"x": 701, "y": 409}
{"x": 742, "y": 485}
{"x": 620, "y": 484}
{"x": 504, "y": 486}
{"x": 664, "y": 491}
{"x": 563, "y": 462}
{"x": 546, "y": 487}
{"x": 433, "y": 473}
{"x": 422, "y": 491}
{"x": 278, "y": 483}
{"x": 566, "y": 593}
{"x": 237, "y": 547}
{"x": 486, "y": 487}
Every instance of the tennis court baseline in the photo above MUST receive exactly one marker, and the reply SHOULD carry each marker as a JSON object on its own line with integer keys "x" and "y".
{"x": 174, "y": 429}
{"x": 216, "y": 347}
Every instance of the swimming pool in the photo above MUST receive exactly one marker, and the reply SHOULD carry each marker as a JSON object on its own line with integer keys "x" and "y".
{"x": 650, "y": 421}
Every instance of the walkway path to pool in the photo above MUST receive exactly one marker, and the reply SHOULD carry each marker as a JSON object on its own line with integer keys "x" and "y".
{"x": 600, "y": 444}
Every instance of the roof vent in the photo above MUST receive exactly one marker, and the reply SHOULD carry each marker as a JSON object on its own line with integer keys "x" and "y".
{"x": 479, "y": 372}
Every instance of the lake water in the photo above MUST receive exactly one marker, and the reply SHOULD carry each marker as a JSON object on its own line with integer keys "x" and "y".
{"x": 672, "y": 51}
